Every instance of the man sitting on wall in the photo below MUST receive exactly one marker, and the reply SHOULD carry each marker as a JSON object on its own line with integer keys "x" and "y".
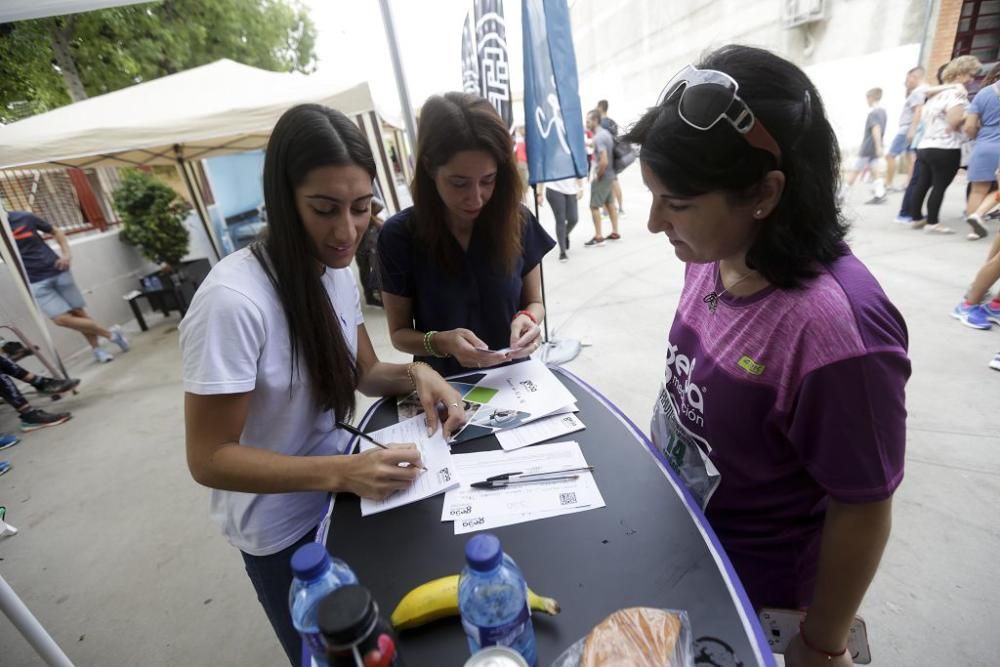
{"x": 53, "y": 285}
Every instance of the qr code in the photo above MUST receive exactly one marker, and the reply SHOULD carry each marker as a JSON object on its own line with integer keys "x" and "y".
{"x": 567, "y": 498}
{"x": 444, "y": 475}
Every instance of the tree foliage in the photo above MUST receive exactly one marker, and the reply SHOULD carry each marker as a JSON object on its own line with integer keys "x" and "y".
{"x": 153, "y": 217}
{"x": 118, "y": 47}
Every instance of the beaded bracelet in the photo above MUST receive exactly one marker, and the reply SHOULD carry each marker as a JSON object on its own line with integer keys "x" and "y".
{"x": 429, "y": 346}
{"x": 808, "y": 645}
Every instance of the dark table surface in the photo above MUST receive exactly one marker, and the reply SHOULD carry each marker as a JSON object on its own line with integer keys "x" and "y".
{"x": 651, "y": 546}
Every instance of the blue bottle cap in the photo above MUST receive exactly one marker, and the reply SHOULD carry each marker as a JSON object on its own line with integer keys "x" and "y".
{"x": 483, "y": 552}
{"x": 310, "y": 560}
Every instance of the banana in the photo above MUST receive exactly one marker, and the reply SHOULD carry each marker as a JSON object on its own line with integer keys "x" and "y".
{"x": 439, "y": 599}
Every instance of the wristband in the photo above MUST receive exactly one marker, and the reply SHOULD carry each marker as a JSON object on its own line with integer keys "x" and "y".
{"x": 526, "y": 313}
{"x": 811, "y": 647}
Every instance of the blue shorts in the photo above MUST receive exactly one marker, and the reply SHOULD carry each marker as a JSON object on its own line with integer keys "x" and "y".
{"x": 57, "y": 295}
{"x": 900, "y": 145}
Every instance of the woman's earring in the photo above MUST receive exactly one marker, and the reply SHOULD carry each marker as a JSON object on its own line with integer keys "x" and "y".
{"x": 759, "y": 213}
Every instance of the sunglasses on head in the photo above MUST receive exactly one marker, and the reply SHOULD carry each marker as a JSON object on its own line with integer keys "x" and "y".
{"x": 706, "y": 96}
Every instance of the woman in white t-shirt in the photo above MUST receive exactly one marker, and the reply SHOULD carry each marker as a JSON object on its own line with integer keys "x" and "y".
{"x": 274, "y": 347}
{"x": 939, "y": 152}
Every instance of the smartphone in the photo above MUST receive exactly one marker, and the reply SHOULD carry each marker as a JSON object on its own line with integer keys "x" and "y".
{"x": 781, "y": 625}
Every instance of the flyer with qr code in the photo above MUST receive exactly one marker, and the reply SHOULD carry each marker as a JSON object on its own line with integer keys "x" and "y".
{"x": 482, "y": 509}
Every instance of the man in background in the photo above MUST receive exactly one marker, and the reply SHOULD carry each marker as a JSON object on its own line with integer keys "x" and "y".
{"x": 902, "y": 143}
{"x": 612, "y": 127}
{"x": 602, "y": 178}
{"x": 871, "y": 151}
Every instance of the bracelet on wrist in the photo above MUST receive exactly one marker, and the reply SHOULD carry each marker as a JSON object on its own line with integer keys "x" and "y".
{"x": 429, "y": 345}
{"x": 409, "y": 372}
{"x": 526, "y": 313}
{"x": 812, "y": 647}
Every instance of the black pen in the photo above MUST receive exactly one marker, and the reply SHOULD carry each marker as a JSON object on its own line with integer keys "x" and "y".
{"x": 504, "y": 483}
{"x": 361, "y": 434}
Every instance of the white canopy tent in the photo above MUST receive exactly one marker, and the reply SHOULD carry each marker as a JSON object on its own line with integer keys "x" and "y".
{"x": 216, "y": 109}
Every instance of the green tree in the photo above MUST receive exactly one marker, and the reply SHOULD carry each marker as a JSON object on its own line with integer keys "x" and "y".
{"x": 153, "y": 217}
{"x": 50, "y": 62}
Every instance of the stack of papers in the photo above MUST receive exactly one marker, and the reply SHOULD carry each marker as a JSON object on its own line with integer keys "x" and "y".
{"x": 439, "y": 476}
{"x": 482, "y": 509}
{"x": 501, "y": 399}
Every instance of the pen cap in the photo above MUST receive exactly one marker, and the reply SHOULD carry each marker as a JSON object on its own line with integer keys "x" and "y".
{"x": 483, "y": 552}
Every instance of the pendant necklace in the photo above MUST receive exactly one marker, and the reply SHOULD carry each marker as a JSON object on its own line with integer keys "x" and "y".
{"x": 712, "y": 298}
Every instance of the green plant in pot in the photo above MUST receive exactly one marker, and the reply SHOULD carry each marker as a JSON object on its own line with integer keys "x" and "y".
{"x": 153, "y": 216}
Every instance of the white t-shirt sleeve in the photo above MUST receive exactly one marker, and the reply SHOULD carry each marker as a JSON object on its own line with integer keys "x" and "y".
{"x": 222, "y": 337}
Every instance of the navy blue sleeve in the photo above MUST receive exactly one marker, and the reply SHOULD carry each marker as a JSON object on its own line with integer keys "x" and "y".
{"x": 535, "y": 242}
{"x": 38, "y": 223}
{"x": 395, "y": 256}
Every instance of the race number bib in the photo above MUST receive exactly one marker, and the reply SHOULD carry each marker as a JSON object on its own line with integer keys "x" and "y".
{"x": 686, "y": 452}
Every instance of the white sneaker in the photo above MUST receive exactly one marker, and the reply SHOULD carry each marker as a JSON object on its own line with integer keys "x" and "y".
{"x": 995, "y": 364}
{"x": 102, "y": 355}
{"x": 118, "y": 338}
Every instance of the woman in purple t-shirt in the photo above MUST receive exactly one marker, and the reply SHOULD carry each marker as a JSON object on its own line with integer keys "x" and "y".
{"x": 783, "y": 396}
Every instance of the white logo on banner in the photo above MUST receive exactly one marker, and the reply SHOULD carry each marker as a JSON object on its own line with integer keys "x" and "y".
{"x": 495, "y": 75}
{"x": 545, "y": 125}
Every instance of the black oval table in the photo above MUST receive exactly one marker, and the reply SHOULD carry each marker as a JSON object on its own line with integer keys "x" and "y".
{"x": 651, "y": 546}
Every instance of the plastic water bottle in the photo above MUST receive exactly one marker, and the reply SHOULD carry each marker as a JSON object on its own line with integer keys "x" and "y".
{"x": 493, "y": 599}
{"x": 316, "y": 575}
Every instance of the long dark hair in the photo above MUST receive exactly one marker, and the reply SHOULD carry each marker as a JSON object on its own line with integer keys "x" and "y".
{"x": 806, "y": 228}
{"x": 451, "y": 124}
{"x": 306, "y": 137}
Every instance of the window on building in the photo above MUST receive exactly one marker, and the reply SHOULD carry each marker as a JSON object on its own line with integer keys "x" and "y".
{"x": 979, "y": 30}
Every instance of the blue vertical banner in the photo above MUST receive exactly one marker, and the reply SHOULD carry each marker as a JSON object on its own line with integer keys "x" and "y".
{"x": 485, "y": 67}
{"x": 553, "y": 117}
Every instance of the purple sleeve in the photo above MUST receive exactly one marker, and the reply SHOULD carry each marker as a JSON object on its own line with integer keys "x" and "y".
{"x": 848, "y": 425}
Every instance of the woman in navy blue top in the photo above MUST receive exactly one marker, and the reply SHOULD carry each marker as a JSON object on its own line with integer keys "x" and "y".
{"x": 461, "y": 276}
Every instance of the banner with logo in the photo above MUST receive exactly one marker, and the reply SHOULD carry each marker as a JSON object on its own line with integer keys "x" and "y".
{"x": 485, "y": 68}
{"x": 553, "y": 118}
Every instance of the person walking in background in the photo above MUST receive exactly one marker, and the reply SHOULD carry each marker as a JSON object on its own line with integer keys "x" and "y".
{"x": 563, "y": 196}
{"x": 982, "y": 124}
{"x": 909, "y": 118}
{"x": 53, "y": 285}
{"x": 32, "y": 419}
{"x": 870, "y": 156}
{"x": 612, "y": 127}
{"x": 939, "y": 152}
{"x": 602, "y": 180}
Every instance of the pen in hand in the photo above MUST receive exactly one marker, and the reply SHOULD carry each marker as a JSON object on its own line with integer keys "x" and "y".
{"x": 361, "y": 434}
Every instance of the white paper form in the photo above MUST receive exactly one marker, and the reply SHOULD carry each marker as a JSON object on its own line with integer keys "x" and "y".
{"x": 539, "y": 431}
{"x": 478, "y": 509}
{"x": 439, "y": 476}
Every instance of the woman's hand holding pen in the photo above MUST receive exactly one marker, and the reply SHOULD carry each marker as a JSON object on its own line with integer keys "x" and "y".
{"x": 378, "y": 473}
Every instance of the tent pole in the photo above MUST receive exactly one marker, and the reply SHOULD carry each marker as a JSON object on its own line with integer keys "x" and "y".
{"x": 199, "y": 205}
{"x": 397, "y": 69}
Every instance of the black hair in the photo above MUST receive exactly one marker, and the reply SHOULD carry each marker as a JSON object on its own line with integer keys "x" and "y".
{"x": 602, "y": 105}
{"x": 306, "y": 137}
{"x": 806, "y": 228}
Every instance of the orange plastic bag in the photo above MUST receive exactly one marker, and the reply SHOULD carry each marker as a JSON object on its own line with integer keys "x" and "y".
{"x": 634, "y": 637}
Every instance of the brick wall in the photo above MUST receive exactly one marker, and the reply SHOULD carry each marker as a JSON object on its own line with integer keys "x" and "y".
{"x": 943, "y": 41}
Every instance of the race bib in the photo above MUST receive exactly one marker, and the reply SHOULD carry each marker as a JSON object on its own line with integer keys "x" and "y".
{"x": 686, "y": 452}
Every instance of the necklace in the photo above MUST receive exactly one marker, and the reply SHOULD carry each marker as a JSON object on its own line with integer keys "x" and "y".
{"x": 712, "y": 298}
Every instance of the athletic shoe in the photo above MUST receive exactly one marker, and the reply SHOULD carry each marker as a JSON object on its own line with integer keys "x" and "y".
{"x": 995, "y": 364}
{"x": 978, "y": 231}
{"x": 877, "y": 200}
{"x": 904, "y": 219}
{"x": 102, "y": 355}
{"x": 971, "y": 316}
{"x": 992, "y": 314}
{"x": 621, "y": 211}
{"x": 939, "y": 229}
{"x": 54, "y": 386}
{"x": 32, "y": 420}
{"x": 8, "y": 440}
{"x": 918, "y": 224}
{"x": 118, "y": 338}
{"x": 4, "y": 467}
{"x": 614, "y": 236}
{"x": 563, "y": 257}
{"x": 594, "y": 243}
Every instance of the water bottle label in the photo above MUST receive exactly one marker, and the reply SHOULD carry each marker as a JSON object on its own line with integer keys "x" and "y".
{"x": 498, "y": 635}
